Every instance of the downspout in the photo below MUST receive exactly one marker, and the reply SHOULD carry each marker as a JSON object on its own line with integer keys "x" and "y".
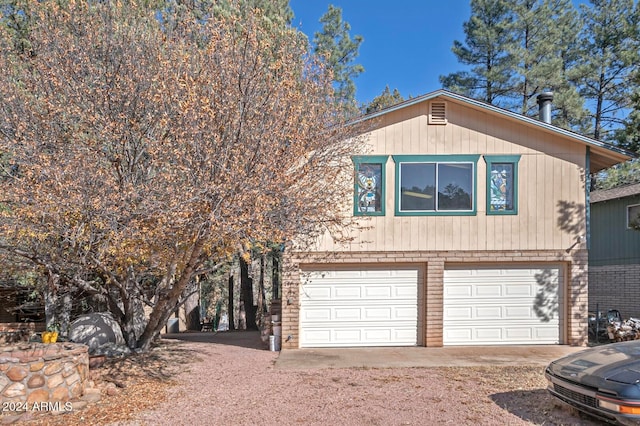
{"x": 587, "y": 194}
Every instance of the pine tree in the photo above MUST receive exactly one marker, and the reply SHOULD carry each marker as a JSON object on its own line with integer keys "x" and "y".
{"x": 569, "y": 107}
{"x": 384, "y": 100}
{"x": 629, "y": 136}
{"x": 609, "y": 41}
{"x": 338, "y": 52}
{"x": 546, "y": 54}
{"x": 487, "y": 49}
{"x": 276, "y": 10}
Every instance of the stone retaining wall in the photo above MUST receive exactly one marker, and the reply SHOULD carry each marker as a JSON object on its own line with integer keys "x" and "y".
{"x": 33, "y": 373}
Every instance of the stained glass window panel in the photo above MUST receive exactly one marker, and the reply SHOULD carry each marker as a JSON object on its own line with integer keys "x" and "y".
{"x": 369, "y": 184}
{"x": 501, "y": 187}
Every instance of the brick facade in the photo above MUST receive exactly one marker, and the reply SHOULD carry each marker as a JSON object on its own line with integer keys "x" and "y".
{"x": 615, "y": 287}
{"x": 433, "y": 263}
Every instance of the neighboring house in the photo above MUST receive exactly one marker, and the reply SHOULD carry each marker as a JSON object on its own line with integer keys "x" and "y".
{"x": 474, "y": 234}
{"x": 614, "y": 252}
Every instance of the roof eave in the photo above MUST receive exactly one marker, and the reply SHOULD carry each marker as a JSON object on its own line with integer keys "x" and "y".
{"x": 613, "y": 153}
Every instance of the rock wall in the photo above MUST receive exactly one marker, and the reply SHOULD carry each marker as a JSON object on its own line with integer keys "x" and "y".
{"x": 35, "y": 373}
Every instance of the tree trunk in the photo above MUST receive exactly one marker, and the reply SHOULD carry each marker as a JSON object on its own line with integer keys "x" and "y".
{"x": 230, "y": 308}
{"x": 247, "y": 296}
{"x": 192, "y": 307}
{"x": 168, "y": 301}
{"x": 51, "y": 298}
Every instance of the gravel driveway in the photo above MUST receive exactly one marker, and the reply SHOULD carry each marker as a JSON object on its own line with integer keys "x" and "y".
{"x": 238, "y": 384}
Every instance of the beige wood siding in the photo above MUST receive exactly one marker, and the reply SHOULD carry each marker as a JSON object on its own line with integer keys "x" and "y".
{"x": 550, "y": 185}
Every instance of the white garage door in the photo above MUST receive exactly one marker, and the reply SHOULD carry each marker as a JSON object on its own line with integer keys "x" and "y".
{"x": 488, "y": 306}
{"x": 372, "y": 307}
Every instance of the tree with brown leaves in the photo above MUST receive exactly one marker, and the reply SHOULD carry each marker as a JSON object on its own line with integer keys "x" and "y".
{"x": 140, "y": 155}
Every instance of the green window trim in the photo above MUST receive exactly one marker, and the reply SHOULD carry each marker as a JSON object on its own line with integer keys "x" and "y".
{"x": 358, "y": 184}
{"x": 495, "y": 160}
{"x": 436, "y": 160}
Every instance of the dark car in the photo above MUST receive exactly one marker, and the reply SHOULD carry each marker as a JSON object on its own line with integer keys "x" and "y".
{"x": 603, "y": 381}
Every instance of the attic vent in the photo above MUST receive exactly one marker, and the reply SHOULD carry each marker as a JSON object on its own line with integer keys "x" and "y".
{"x": 438, "y": 112}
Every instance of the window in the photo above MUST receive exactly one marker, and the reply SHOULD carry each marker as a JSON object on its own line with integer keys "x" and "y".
{"x": 633, "y": 216}
{"x": 369, "y": 185}
{"x": 502, "y": 184}
{"x": 435, "y": 184}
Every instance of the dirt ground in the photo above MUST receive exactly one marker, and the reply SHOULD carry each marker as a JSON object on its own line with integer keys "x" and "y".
{"x": 180, "y": 383}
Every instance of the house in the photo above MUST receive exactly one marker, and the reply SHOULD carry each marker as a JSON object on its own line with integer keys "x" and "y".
{"x": 614, "y": 252}
{"x": 474, "y": 225}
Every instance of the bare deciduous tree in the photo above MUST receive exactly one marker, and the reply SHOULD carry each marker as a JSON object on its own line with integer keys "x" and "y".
{"x": 139, "y": 156}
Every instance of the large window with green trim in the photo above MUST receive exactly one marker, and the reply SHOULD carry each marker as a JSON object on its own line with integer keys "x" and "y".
{"x": 369, "y": 194}
{"x": 435, "y": 184}
{"x": 502, "y": 184}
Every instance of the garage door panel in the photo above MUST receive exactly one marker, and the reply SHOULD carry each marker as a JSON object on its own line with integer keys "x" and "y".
{"x": 375, "y": 307}
{"x": 316, "y": 315}
{"x": 342, "y": 336}
{"x": 516, "y": 334}
{"x": 457, "y": 334}
{"x": 407, "y": 313}
{"x": 458, "y": 312}
{"x": 314, "y": 336}
{"x": 488, "y": 290}
{"x": 377, "y": 335}
{"x": 488, "y": 334}
{"x": 346, "y": 292}
{"x": 488, "y": 312}
{"x": 518, "y": 290}
{"x": 317, "y": 293}
{"x": 377, "y": 314}
{"x": 519, "y": 312}
{"x": 502, "y": 306}
{"x": 346, "y": 314}
{"x": 406, "y": 291}
{"x": 458, "y": 291}
{"x": 545, "y": 333}
{"x": 377, "y": 292}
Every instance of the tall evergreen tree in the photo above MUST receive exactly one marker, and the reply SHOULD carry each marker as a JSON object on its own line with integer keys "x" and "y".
{"x": 609, "y": 41}
{"x": 14, "y": 18}
{"x": 338, "y": 52}
{"x": 276, "y": 10}
{"x": 384, "y": 100}
{"x": 546, "y": 43}
{"x": 629, "y": 136}
{"x": 487, "y": 50}
{"x": 569, "y": 110}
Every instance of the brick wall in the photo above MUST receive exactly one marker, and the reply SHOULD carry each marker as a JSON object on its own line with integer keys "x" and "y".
{"x": 433, "y": 263}
{"x": 615, "y": 287}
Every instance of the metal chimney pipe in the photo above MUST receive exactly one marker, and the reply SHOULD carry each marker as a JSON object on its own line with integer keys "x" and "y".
{"x": 544, "y": 106}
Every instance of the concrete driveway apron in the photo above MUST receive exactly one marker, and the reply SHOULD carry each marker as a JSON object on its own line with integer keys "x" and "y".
{"x": 452, "y": 356}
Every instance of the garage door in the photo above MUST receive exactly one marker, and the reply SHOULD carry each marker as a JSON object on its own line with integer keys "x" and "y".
{"x": 486, "y": 306}
{"x": 351, "y": 307}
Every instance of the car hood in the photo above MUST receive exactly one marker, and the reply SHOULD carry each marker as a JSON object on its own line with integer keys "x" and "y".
{"x": 614, "y": 367}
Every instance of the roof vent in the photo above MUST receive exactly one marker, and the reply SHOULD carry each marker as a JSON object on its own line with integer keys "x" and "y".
{"x": 544, "y": 106}
{"x": 438, "y": 112}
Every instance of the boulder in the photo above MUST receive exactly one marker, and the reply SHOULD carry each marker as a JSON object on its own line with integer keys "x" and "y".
{"x": 96, "y": 330}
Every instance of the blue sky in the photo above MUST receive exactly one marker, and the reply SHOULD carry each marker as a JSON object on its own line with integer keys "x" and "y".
{"x": 407, "y": 43}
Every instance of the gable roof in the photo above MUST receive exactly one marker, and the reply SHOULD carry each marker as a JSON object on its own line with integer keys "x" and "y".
{"x": 601, "y": 154}
{"x": 613, "y": 193}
